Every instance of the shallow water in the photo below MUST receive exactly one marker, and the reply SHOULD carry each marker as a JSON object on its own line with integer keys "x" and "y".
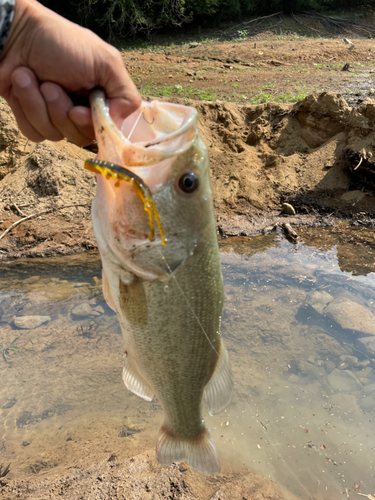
{"x": 63, "y": 402}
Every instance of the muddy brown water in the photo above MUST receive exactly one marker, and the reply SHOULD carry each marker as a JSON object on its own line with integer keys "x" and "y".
{"x": 301, "y": 415}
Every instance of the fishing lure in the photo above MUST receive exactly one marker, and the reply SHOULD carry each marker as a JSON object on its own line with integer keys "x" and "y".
{"x": 120, "y": 173}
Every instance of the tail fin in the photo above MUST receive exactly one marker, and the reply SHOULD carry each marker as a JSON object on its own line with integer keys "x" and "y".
{"x": 199, "y": 452}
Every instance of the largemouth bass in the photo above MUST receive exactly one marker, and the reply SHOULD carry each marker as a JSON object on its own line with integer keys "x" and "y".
{"x": 167, "y": 293}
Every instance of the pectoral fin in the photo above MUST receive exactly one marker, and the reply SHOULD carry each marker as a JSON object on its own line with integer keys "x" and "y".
{"x": 135, "y": 382}
{"x": 107, "y": 291}
{"x": 218, "y": 392}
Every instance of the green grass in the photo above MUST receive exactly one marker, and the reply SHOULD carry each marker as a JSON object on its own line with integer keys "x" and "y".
{"x": 7, "y": 350}
{"x": 285, "y": 97}
{"x": 178, "y": 90}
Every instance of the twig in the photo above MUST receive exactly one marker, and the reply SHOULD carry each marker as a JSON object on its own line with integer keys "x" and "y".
{"x": 341, "y": 24}
{"x": 247, "y": 23}
{"x": 304, "y": 25}
{"x": 36, "y": 214}
{"x": 4, "y": 472}
{"x": 360, "y": 161}
{"x": 19, "y": 210}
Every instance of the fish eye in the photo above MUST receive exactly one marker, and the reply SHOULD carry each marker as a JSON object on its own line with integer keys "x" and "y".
{"x": 188, "y": 182}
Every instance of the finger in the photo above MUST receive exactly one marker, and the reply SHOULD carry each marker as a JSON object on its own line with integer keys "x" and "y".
{"x": 117, "y": 83}
{"x": 23, "y": 123}
{"x": 117, "y": 111}
{"x": 81, "y": 116}
{"x": 26, "y": 89}
{"x": 59, "y": 106}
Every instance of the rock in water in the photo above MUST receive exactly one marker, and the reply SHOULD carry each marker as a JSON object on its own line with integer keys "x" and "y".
{"x": 367, "y": 345}
{"x": 318, "y": 300}
{"x": 347, "y": 361}
{"x": 351, "y": 316}
{"x": 343, "y": 381}
{"x": 82, "y": 310}
{"x": 30, "y": 322}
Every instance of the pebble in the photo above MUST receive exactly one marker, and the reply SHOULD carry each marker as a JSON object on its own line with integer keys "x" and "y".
{"x": 351, "y": 315}
{"x": 30, "y": 322}
{"x": 364, "y": 380}
{"x": 288, "y": 209}
{"x": 99, "y": 309}
{"x": 347, "y": 361}
{"x": 343, "y": 381}
{"x": 363, "y": 364}
{"x": 318, "y": 300}
{"x": 82, "y": 310}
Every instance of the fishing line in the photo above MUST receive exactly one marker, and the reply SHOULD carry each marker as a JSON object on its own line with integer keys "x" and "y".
{"x": 188, "y": 303}
{"x": 135, "y": 124}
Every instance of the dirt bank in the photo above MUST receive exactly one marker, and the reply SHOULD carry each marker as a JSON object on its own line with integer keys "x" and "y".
{"x": 316, "y": 154}
{"x": 141, "y": 478}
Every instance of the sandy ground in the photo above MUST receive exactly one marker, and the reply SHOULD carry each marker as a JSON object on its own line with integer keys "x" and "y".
{"x": 316, "y": 154}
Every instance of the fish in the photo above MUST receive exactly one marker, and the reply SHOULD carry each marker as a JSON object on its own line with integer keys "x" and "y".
{"x": 154, "y": 223}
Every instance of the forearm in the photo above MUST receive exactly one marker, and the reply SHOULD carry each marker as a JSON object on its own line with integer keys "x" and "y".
{"x": 27, "y": 15}
{"x": 7, "y": 8}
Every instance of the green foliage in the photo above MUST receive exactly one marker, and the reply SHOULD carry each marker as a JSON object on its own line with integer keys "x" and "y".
{"x": 124, "y": 18}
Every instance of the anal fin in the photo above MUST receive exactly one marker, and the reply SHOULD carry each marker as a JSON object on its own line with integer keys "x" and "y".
{"x": 135, "y": 382}
{"x": 218, "y": 392}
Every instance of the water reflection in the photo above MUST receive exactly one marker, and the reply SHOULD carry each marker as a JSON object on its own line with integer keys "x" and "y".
{"x": 298, "y": 331}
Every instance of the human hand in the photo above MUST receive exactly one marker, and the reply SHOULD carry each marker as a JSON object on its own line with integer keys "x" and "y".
{"x": 45, "y": 58}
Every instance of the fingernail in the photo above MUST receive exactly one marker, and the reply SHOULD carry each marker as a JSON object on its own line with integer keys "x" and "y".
{"x": 50, "y": 93}
{"x": 22, "y": 79}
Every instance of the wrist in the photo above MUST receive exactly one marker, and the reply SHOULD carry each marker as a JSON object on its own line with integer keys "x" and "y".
{"x": 26, "y": 14}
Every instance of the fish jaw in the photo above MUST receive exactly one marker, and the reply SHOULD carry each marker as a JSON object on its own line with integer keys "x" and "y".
{"x": 158, "y": 157}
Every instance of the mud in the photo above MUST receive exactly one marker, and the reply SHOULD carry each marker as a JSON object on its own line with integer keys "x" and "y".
{"x": 316, "y": 154}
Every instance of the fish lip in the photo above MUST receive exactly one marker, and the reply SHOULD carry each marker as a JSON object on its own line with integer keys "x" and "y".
{"x": 144, "y": 153}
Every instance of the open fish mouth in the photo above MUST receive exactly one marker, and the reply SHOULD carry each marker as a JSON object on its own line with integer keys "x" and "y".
{"x": 167, "y": 130}
{"x": 140, "y": 150}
